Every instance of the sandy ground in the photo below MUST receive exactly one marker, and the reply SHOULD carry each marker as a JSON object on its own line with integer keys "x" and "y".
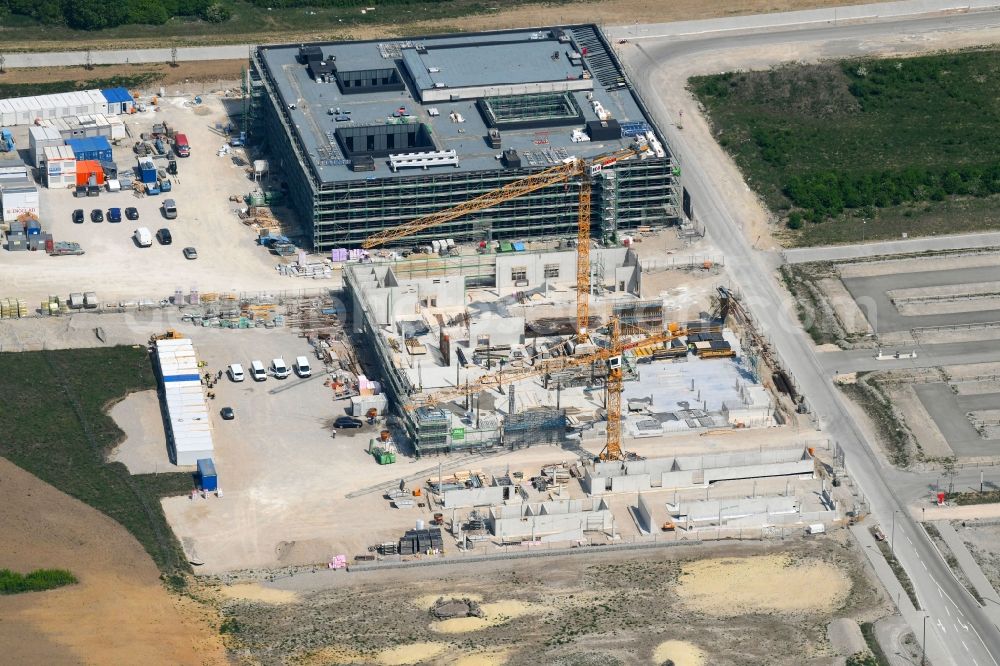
{"x": 613, "y": 608}
{"x": 119, "y": 613}
{"x": 681, "y": 653}
{"x": 983, "y": 541}
{"x": 924, "y": 429}
{"x": 850, "y": 315}
{"x": 726, "y": 587}
{"x": 144, "y": 446}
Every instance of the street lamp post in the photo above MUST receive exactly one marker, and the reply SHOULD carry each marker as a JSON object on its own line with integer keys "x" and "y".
{"x": 892, "y": 543}
{"x": 923, "y": 648}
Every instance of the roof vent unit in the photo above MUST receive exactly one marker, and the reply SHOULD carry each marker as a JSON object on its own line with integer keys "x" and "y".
{"x": 421, "y": 49}
{"x": 433, "y": 70}
{"x": 511, "y": 159}
{"x": 494, "y": 138}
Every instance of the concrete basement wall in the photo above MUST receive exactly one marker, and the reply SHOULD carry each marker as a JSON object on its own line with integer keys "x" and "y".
{"x": 501, "y": 330}
{"x": 467, "y": 497}
{"x": 801, "y": 467}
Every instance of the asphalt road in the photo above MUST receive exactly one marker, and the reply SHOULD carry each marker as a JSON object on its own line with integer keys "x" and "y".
{"x": 928, "y": 356}
{"x": 910, "y": 245}
{"x": 958, "y": 632}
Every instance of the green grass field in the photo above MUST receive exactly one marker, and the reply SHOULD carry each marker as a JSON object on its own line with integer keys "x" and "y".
{"x": 55, "y": 426}
{"x": 831, "y": 145}
{"x": 275, "y": 23}
{"x": 38, "y": 580}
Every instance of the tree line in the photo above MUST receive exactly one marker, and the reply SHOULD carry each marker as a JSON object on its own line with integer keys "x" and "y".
{"x": 824, "y": 194}
{"x": 98, "y": 14}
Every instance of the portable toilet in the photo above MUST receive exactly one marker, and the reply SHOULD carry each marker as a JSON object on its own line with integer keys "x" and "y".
{"x": 206, "y": 475}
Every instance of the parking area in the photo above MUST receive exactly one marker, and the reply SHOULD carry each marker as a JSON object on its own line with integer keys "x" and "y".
{"x": 908, "y": 300}
{"x": 958, "y": 417}
{"x": 118, "y": 269}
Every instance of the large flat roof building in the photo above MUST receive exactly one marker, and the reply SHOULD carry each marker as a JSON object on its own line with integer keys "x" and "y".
{"x": 374, "y": 134}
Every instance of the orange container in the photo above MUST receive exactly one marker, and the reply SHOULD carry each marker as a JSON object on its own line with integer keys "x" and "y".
{"x": 87, "y": 168}
{"x": 416, "y": 492}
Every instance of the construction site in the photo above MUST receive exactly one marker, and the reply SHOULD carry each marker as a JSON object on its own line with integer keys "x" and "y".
{"x": 504, "y": 354}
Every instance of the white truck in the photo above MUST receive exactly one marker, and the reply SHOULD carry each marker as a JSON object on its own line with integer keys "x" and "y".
{"x": 816, "y": 528}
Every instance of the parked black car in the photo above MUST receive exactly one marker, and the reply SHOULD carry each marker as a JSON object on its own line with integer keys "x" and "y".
{"x": 132, "y": 213}
{"x": 163, "y": 235}
{"x": 347, "y": 422}
{"x": 97, "y": 215}
{"x": 78, "y": 216}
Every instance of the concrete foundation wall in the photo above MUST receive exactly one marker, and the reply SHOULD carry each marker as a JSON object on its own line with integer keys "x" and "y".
{"x": 683, "y": 479}
{"x": 690, "y": 471}
{"x": 546, "y": 519}
{"x": 501, "y": 330}
{"x": 758, "y": 471}
{"x": 754, "y": 511}
{"x": 644, "y": 512}
{"x": 625, "y": 484}
{"x": 467, "y": 497}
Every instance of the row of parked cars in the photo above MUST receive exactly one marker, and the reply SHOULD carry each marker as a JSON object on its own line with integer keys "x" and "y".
{"x": 114, "y": 215}
{"x": 278, "y": 369}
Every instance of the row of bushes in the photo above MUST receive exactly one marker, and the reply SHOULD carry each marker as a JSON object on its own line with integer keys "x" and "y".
{"x": 826, "y": 194}
{"x": 39, "y": 580}
{"x": 97, "y": 14}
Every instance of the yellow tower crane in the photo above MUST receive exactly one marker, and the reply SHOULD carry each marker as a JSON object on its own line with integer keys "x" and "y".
{"x": 613, "y": 356}
{"x": 571, "y": 168}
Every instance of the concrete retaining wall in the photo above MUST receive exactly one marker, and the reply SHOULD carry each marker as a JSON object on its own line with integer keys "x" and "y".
{"x": 467, "y": 497}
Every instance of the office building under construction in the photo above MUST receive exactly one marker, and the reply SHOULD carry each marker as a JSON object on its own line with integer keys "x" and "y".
{"x": 372, "y": 135}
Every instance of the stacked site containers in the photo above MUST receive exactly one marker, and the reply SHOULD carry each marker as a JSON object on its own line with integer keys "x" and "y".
{"x": 60, "y": 166}
{"x": 95, "y": 148}
{"x": 40, "y": 138}
{"x": 189, "y": 428}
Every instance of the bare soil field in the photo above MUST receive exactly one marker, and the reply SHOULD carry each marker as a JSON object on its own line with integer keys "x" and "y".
{"x": 208, "y": 71}
{"x": 983, "y": 540}
{"x": 631, "y": 607}
{"x": 119, "y": 613}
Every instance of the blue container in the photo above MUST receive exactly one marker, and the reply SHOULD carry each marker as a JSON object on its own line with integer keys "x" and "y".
{"x": 34, "y": 228}
{"x": 91, "y": 148}
{"x": 147, "y": 171}
{"x": 206, "y": 475}
{"x": 518, "y": 247}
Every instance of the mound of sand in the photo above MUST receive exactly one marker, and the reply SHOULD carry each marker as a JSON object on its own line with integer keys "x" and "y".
{"x": 493, "y": 614}
{"x": 762, "y": 584}
{"x": 681, "y": 653}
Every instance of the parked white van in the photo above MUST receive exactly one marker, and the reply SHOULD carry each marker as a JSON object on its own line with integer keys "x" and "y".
{"x": 143, "y": 237}
{"x": 279, "y": 368}
{"x": 236, "y": 372}
{"x": 302, "y": 366}
{"x": 257, "y": 371}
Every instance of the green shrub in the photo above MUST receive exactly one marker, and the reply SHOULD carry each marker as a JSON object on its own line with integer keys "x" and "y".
{"x": 39, "y": 580}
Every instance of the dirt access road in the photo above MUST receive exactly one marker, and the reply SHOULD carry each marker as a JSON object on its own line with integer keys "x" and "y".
{"x": 119, "y": 612}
